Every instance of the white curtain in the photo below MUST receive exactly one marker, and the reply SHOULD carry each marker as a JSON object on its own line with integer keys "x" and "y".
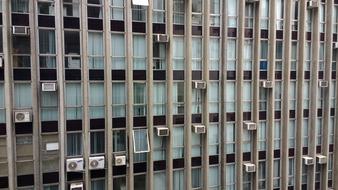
{"x": 47, "y": 41}
{"x": 196, "y": 177}
{"x": 139, "y": 52}
{"x": 196, "y": 145}
{"x": 178, "y": 180}
{"x": 118, "y": 96}
{"x": 49, "y": 106}
{"x": 213, "y": 97}
{"x": 140, "y": 99}
{"x": 196, "y": 101}
{"x": 262, "y": 136}
{"x": 178, "y": 53}
{"x": 230, "y": 177}
{"x": 73, "y": 100}
{"x": 20, "y": 6}
{"x": 159, "y": 98}
{"x": 291, "y": 133}
{"x": 246, "y": 138}
{"x": 230, "y": 137}
{"x": 247, "y": 55}
{"x": 213, "y": 177}
{"x": 214, "y": 53}
{"x": 277, "y": 135}
{"x": 96, "y": 100}
{"x": 95, "y": 50}
{"x": 305, "y": 132}
{"x": 196, "y": 53}
{"x": 22, "y": 95}
{"x": 118, "y": 51}
{"x": 178, "y": 143}
{"x": 74, "y": 144}
{"x": 159, "y": 147}
{"x": 117, "y": 10}
{"x": 230, "y": 96}
{"x": 160, "y": 181}
{"x": 232, "y": 8}
{"x": 213, "y": 139}
{"x": 247, "y": 96}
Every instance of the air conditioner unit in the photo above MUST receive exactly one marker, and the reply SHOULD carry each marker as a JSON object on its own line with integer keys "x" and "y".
{"x": 323, "y": 83}
{"x": 251, "y": 1}
{"x": 120, "y": 160}
{"x": 308, "y": 160}
{"x": 198, "y": 128}
{"x": 52, "y": 146}
{"x": 199, "y": 85}
{"x": 266, "y": 84}
{"x": 250, "y": 126}
{"x": 161, "y": 38}
{"x": 312, "y": 4}
{"x": 321, "y": 159}
{"x": 76, "y": 186}
{"x": 74, "y": 164}
{"x": 22, "y": 116}
{"x": 335, "y": 45}
{"x": 162, "y": 131}
{"x": 20, "y": 30}
{"x": 48, "y": 87}
{"x": 96, "y": 162}
{"x": 249, "y": 167}
{"x": 1, "y": 62}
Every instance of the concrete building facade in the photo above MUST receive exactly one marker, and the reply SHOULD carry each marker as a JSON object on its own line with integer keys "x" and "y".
{"x": 168, "y": 95}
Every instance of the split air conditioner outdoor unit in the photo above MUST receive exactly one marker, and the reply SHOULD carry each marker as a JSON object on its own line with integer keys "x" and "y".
{"x": 74, "y": 164}
{"x": 120, "y": 160}
{"x": 323, "y": 84}
{"x": 161, "y": 38}
{"x": 22, "y": 116}
{"x": 20, "y": 30}
{"x": 249, "y": 167}
{"x": 266, "y": 84}
{"x": 76, "y": 186}
{"x": 312, "y": 4}
{"x": 48, "y": 87}
{"x": 199, "y": 85}
{"x": 321, "y": 159}
{"x": 96, "y": 162}
{"x": 249, "y": 125}
{"x": 308, "y": 160}
{"x": 162, "y": 131}
{"x": 198, "y": 128}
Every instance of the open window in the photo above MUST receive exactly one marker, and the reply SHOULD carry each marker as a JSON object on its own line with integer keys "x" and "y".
{"x": 141, "y": 140}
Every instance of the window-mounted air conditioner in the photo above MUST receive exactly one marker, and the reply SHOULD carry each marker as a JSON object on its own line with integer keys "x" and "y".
{"x": 198, "y": 128}
{"x": 335, "y": 45}
{"x": 161, "y": 38}
{"x": 140, "y": 2}
{"x": 308, "y": 160}
{"x": 22, "y": 116}
{"x": 48, "y": 87}
{"x": 52, "y": 146}
{"x": 323, "y": 84}
{"x": 162, "y": 131}
{"x": 312, "y": 4}
{"x": 76, "y": 186}
{"x": 249, "y": 167}
{"x": 96, "y": 162}
{"x": 199, "y": 85}
{"x": 249, "y": 125}
{"x": 74, "y": 164}
{"x": 266, "y": 84}
{"x": 321, "y": 159}
{"x": 20, "y": 30}
{"x": 120, "y": 160}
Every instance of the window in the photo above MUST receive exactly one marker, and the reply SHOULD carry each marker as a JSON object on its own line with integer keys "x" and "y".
{"x": 178, "y": 179}
{"x": 119, "y": 99}
{"x": 214, "y": 54}
{"x": 246, "y": 180}
{"x": 322, "y": 17}
{"x": 50, "y": 187}
{"x": 49, "y": 106}
{"x": 2, "y": 104}
{"x": 21, "y": 52}
{"x": 159, "y": 56}
{"x": 291, "y": 173}
{"x": 159, "y": 147}
{"x": 248, "y": 53}
{"x": 264, "y": 14}
{"x": 140, "y": 182}
{"x": 247, "y": 96}
{"x": 119, "y": 140}
{"x": 160, "y": 180}
{"x": 22, "y": 95}
{"x": 94, "y": 9}
{"x": 74, "y": 144}
{"x": 262, "y": 135}
{"x": 213, "y": 139}
{"x": 292, "y": 133}
{"x": 249, "y": 15}
{"x": 96, "y": 100}
{"x": 246, "y": 141}
{"x": 24, "y": 155}
{"x": 178, "y": 53}
{"x": 213, "y": 178}
{"x": 179, "y": 10}
{"x": 305, "y": 132}
{"x": 97, "y": 142}
{"x": 231, "y": 55}
{"x": 276, "y": 173}
{"x": 292, "y": 95}
{"x": 213, "y": 97}
{"x": 72, "y": 50}
{"x": 263, "y": 65}
{"x": 178, "y": 98}
{"x": 20, "y": 6}
{"x": 279, "y": 14}
{"x": 139, "y": 13}
{"x": 230, "y": 135}
{"x": 197, "y": 12}
{"x": 232, "y": 13}
{"x": 178, "y": 143}
{"x": 97, "y": 184}
{"x": 196, "y": 145}
{"x": 139, "y": 52}
{"x": 71, "y": 8}
{"x": 230, "y": 177}
{"x": 46, "y": 7}
{"x": 319, "y": 131}
{"x": 140, "y": 99}
{"x": 47, "y": 52}
{"x": 95, "y": 50}
{"x": 261, "y": 174}
{"x": 196, "y": 178}
{"x": 196, "y": 53}
{"x": 277, "y": 134}
{"x": 141, "y": 141}
{"x": 118, "y": 51}
{"x": 278, "y": 95}
{"x": 215, "y": 13}
{"x": 294, "y": 13}
{"x": 196, "y": 101}
{"x": 159, "y": 98}
{"x": 158, "y": 11}
{"x": 230, "y": 97}
{"x": 119, "y": 183}
{"x": 117, "y": 9}
{"x": 73, "y": 100}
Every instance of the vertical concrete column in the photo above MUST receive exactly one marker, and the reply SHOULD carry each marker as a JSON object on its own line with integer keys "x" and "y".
{"x": 255, "y": 82}
{"x": 188, "y": 94}
{"x": 35, "y": 94}
{"x": 60, "y": 82}
{"x": 7, "y": 47}
{"x": 285, "y": 100}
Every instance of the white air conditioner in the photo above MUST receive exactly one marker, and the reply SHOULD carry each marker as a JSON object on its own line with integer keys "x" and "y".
{"x": 251, "y": 1}
{"x": 323, "y": 84}
{"x": 198, "y": 128}
{"x": 1, "y": 62}
{"x": 199, "y": 85}
{"x": 74, "y": 164}
{"x": 266, "y": 84}
{"x": 161, "y": 38}
{"x": 48, "y": 87}
{"x": 250, "y": 126}
{"x": 140, "y": 2}
{"x": 120, "y": 160}
{"x": 308, "y": 160}
{"x": 249, "y": 167}
{"x": 96, "y": 162}
{"x": 162, "y": 131}
{"x": 335, "y": 45}
{"x": 22, "y": 116}
{"x": 312, "y": 4}
{"x": 321, "y": 159}
{"x": 20, "y": 30}
{"x": 52, "y": 146}
{"x": 76, "y": 186}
